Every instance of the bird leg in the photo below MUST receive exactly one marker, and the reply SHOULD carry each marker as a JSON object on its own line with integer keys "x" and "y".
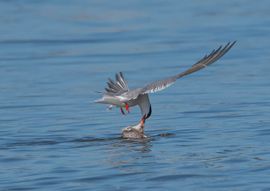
{"x": 122, "y": 111}
{"x": 126, "y": 107}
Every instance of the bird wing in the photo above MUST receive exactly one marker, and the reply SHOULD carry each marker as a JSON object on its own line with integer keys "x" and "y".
{"x": 145, "y": 106}
{"x": 118, "y": 86}
{"x": 202, "y": 63}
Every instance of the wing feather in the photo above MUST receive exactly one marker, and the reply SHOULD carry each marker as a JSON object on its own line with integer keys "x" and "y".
{"x": 145, "y": 106}
{"x": 202, "y": 63}
{"x": 118, "y": 86}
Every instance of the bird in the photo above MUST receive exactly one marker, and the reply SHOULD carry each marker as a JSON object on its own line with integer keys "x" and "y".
{"x": 118, "y": 94}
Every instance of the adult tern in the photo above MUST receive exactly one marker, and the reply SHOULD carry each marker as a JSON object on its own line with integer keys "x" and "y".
{"x": 118, "y": 94}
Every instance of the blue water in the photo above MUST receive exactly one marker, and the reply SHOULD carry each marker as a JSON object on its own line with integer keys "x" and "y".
{"x": 210, "y": 131}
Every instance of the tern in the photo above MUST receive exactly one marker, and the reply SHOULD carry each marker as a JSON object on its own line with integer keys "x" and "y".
{"x": 118, "y": 94}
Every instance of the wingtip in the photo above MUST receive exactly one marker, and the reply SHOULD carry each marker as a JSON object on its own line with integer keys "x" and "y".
{"x": 232, "y": 43}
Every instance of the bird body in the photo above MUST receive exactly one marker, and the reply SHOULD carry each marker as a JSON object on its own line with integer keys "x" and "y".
{"x": 118, "y": 94}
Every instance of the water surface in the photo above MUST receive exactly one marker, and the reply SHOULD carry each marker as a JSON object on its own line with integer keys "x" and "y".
{"x": 210, "y": 131}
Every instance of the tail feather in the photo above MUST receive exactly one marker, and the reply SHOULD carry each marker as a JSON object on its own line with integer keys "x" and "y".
{"x": 101, "y": 100}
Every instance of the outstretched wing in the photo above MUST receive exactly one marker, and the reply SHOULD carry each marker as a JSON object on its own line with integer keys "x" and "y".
{"x": 118, "y": 86}
{"x": 202, "y": 63}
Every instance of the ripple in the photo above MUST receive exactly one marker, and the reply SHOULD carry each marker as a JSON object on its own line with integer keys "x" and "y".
{"x": 179, "y": 176}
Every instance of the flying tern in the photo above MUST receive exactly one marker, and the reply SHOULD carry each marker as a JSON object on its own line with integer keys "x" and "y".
{"x": 117, "y": 92}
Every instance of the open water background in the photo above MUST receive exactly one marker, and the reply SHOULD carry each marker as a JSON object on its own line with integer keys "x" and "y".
{"x": 210, "y": 131}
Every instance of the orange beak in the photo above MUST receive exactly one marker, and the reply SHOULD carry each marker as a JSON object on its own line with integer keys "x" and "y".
{"x": 142, "y": 121}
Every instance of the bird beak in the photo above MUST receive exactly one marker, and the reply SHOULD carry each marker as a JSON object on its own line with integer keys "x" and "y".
{"x": 142, "y": 121}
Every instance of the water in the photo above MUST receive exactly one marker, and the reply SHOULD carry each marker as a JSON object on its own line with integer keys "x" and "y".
{"x": 210, "y": 131}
